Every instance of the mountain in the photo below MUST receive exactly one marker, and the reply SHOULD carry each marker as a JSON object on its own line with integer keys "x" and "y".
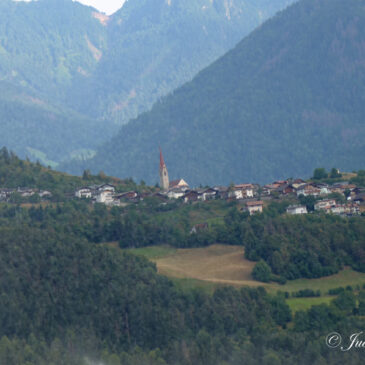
{"x": 43, "y": 45}
{"x": 154, "y": 46}
{"x": 41, "y": 130}
{"x": 93, "y": 71}
{"x": 288, "y": 97}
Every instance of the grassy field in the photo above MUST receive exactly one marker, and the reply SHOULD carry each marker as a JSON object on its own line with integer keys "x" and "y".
{"x": 226, "y": 265}
{"x": 217, "y": 265}
{"x": 344, "y": 278}
{"x": 153, "y": 252}
{"x": 297, "y": 304}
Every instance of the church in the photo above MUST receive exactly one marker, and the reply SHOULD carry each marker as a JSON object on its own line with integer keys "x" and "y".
{"x": 165, "y": 183}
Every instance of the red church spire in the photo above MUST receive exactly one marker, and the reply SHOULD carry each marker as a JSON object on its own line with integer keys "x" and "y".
{"x": 162, "y": 161}
{"x": 164, "y": 176}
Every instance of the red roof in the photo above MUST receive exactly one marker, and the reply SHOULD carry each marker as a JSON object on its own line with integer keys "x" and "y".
{"x": 255, "y": 203}
{"x": 175, "y": 183}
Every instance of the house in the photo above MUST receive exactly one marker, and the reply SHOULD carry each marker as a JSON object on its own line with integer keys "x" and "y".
{"x": 255, "y": 206}
{"x": 324, "y": 204}
{"x": 352, "y": 209}
{"x": 298, "y": 181}
{"x": 247, "y": 190}
{"x": 129, "y": 196}
{"x": 337, "y": 189}
{"x": 180, "y": 183}
{"x": 5, "y": 193}
{"x": 345, "y": 209}
{"x": 209, "y": 194}
{"x": 296, "y": 209}
{"x": 106, "y": 187}
{"x": 297, "y": 186}
{"x": 269, "y": 188}
{"x": 222, "y": 192}
{"x": 175, "y": 193}
{"x": 104, "y": 197}
{"x": 308, "y": 190}
{"x": 192, "y": 196}
{"x": 199, "y": 228}
{"x": 25, "y": 192}
{"x": 340, "y": 188}
{"x": 280, "y": 182}
{"x": 84, "y": 192}
{"x": 337, "y": 209}
{"x": 161, "y": 196}
{"x": 235, "y": 194}
{"x": 359, "y": 199}
{"x": 324, "y": 189}
{"x": 241, "y": 191}
{"x": 45, "y": 194}
{"x": 285, "y": 189}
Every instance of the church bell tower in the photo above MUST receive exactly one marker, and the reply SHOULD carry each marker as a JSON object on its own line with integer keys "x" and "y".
{"x": 164, "y": 176}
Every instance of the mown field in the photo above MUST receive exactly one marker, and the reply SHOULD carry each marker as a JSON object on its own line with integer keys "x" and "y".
{"x": 209, "y": 267}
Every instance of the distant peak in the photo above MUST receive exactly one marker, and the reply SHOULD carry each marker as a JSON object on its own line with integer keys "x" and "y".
{"x": 103, "y": 19}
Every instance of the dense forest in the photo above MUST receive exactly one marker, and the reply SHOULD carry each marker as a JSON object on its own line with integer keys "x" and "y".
{"x": 65, "y": 299}
{"x": 71, "y": 294}
{"x": 290, "y": 95}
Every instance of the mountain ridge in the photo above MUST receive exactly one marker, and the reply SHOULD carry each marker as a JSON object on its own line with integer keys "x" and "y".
{"x": 98, "y": 71}
{"x": 301, "y": 104}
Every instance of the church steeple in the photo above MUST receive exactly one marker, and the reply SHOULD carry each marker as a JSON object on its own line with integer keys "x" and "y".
{"x": 164, "y": 176}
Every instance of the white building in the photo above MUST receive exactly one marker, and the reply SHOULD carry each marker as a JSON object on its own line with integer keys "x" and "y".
{"x": 324, "y": 204}
{"x": 255, "y": 207}
{"x": 176, "y": 193}
{"x": 297, "y": 209}
{"x": 241, "y": 191}
{"x": 105, "y": 197}
{"x": 84, "y": 192}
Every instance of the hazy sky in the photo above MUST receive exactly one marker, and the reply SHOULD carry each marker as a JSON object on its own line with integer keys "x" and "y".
{"x": 106, "y": 6}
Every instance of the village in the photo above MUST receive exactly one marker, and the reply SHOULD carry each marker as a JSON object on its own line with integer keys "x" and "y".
{"x": 251, "y": 197}
{"x": 341, "y": 197}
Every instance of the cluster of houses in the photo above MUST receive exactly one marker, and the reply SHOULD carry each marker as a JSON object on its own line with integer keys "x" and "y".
{"x": 300, "y": 187}
{"x": 251, "y": 196}
{"x": 6, "y": 193}
{"x": 179, "y": 189}
{"x": 354, "y": 196}
{"x": 105, "y": 194}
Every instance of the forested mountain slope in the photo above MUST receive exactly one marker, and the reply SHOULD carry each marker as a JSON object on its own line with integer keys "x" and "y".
{"x": 155, "y": 46}
{"x": 62, "y": 56}
{"x": 46, "y": 132}
{"x": 289, "y": 96}
{"x": 43, "y": 45}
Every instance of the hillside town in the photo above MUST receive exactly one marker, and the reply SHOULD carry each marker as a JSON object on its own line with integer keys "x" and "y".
{"x": 340, "y": 198}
